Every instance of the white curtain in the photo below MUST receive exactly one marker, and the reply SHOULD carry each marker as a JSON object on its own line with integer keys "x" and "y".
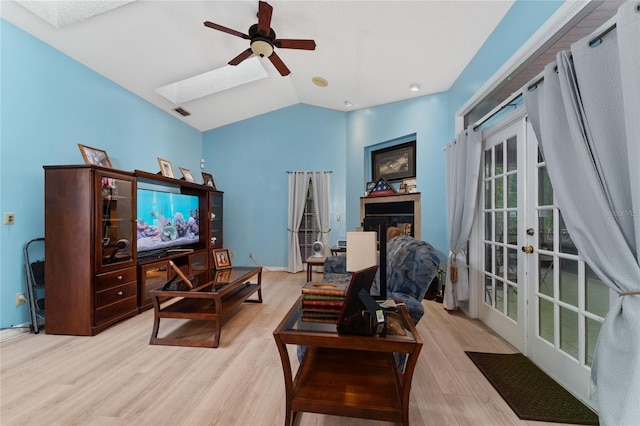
{"x": 586, "y": 116}
{"x": 321, "y": 183}
{"x": 298, "y": 187}
{"x": 463, "y": 172}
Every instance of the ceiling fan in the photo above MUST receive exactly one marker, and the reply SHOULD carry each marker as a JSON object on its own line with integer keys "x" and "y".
{"x": 263, "y": 40}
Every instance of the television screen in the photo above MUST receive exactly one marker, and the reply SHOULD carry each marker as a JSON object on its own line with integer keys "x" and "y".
{"x": 166, "y": 219}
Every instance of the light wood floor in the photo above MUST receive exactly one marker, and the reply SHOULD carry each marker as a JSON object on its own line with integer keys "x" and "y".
{"x": 117, "y": 378}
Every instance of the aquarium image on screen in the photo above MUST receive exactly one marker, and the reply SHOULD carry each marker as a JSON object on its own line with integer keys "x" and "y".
{"x": 166, "y": 219}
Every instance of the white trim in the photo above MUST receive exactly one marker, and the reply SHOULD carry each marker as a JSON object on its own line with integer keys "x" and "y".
{"x": 563, "y": 16}
{"x": 13, "y": 332}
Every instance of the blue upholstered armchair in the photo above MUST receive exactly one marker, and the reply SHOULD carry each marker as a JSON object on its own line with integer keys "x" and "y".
{"x": 411, "y": 267}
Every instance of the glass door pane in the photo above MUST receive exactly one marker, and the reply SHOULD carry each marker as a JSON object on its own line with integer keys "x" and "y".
{"x": 502, "y": 300}
{"x": 569, "y": 301}
{"x": 116, "y": 220}
{"x": 215, "y": 238}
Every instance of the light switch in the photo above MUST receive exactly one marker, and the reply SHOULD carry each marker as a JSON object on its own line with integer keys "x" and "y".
{"x": 9, "y": 218}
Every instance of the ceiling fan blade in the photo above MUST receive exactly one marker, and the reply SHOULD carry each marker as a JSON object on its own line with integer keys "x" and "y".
{"x": 280, "y": 66}
{"x": 264, "y": 17}
{"x": 295, "y": 44}
{"x": 225, "y": 30}
{"x": 241, "y": 57}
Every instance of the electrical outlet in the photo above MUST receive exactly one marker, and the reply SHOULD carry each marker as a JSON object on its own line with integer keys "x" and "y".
{"x": 232, "y": 254}
{"x": 9, "y": 218}
{"x": 20, "y": 299}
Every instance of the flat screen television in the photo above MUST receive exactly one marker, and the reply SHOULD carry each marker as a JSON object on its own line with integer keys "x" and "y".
{"x": 166, "y": 220}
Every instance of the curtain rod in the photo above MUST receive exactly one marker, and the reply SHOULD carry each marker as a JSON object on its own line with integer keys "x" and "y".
{"x": 595, "y": 41}
{"x": 493, "y": 112}
{"x": 295, "y": 171}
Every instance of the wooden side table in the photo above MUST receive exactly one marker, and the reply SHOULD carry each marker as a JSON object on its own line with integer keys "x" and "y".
{"x": 338, "y": 250}
{"x": 344, "y": 375}
{"x": 311, "y": 262}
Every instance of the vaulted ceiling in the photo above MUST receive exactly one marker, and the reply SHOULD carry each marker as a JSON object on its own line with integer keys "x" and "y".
{"x": 369, "y": 52}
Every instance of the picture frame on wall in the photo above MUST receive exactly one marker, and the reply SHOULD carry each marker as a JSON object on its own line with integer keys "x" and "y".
{"x": 221, "y": 259}
{"x": 394, "y": 163}
{"x": 186, "y": 174}
{"x": 207, "y": 179}
{"x": 166, "y": 168}
{"x": 95, "y": 156}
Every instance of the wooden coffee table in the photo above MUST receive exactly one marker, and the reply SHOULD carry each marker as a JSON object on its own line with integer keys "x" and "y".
{"x": 353, "y": 376}
{"x": 212, "y": 294}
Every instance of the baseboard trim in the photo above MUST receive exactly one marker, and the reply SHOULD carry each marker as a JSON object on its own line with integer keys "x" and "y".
{"x": 13, "y": 332}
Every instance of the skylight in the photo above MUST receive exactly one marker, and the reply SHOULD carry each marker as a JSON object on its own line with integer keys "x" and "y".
{"x": 213, "y": 81}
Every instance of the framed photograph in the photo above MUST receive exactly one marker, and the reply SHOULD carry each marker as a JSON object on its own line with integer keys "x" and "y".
{"x": 95, "y": 156}
{"x": 166, "y": 168}
{"x": 370, "y": 186}
{"x": 395, "y": 163}
{"x": 410, "y": 185}
{"x": 207, "y": 179}
{"x": 221, "y": 259}
{"x": 222, "y": 277}
{"x": 186, "y": 174}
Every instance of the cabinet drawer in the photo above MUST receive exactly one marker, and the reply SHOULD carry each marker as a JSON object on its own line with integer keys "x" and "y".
{"x": 116, "y": 278}
{"x": 116, "y": 294}
{"x": 114, "y": 310}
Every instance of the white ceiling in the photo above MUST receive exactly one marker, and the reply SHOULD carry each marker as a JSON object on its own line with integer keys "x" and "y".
{"x": 369, "y": 51}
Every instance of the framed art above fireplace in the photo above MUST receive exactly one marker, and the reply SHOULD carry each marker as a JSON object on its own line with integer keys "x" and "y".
{"x": 394, "y": 163}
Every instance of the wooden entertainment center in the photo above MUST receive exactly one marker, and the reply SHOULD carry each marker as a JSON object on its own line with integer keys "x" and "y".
{"x": 95, "y": 275}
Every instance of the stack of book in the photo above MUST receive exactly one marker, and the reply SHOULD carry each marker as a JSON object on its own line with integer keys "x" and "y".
{"x": 321, "y": 302}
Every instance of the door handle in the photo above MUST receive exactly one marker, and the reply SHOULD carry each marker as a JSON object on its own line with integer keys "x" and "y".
{"x": 527, "y": 249}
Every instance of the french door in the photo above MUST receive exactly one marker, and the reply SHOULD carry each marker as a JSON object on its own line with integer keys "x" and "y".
{"x": 502, "y": 200}
{"x": 534, "y": 289}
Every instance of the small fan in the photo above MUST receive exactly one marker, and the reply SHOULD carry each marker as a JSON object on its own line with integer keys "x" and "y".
{"x": 318, "y": 249}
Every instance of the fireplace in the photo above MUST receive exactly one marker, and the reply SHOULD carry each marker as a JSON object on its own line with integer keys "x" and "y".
{"x": 401, "y": 210}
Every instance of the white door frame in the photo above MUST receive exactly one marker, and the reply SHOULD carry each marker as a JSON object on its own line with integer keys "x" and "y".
{"x": 513, "y": 124}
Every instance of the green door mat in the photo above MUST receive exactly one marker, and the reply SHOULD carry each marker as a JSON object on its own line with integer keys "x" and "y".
{"x": 530, "y": 393}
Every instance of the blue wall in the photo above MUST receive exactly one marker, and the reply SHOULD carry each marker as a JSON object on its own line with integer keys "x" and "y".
{"x": 249, "y": 161}
{"x": 50, "y": 103}
{"x": 521, "y": 22}
{"x": 424, "y": 117}
{"x": 430, "y": 118}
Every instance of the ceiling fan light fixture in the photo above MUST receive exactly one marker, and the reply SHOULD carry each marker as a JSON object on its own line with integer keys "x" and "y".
{"x": 262, "y": 48}
{"x": 415, "y": 87}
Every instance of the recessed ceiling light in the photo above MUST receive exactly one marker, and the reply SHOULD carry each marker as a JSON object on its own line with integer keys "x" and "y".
{"x": 320, "y": 82}
{"x": 414, "y": 87}
{"x": 348, "y": 104}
